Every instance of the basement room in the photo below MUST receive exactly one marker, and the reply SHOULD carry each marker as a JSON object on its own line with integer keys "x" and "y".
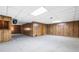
{"x": 39, "y": 28}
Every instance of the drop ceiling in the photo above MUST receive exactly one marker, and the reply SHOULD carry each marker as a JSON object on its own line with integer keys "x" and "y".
{"x": 54, "y": 13}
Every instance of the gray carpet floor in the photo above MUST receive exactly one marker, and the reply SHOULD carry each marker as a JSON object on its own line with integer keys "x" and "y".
{"x": 46, "y": 43}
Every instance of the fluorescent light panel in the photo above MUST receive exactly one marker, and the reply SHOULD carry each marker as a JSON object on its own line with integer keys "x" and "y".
{"x": 39, "y": 11}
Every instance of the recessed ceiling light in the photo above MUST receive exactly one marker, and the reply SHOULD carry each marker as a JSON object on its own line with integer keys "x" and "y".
{"x": 39, "y": 11}
{"x": 51, "y": 17}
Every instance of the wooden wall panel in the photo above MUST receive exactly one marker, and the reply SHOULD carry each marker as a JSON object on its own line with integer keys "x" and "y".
{"x": 65, "y": 29}
{"x": 48, "y": 29}
{"x": 41, "y": 29}
{"x": 5, "y": 24}
{"x": 54, "y": 29}
{"x": 51, "y": 29}
{"x": 70, "y": 29}
{"x": 44, "y": 29}
{"x": 27, "y": 32}
{"x": 1, "y": 35}
{"x": 76, "y": 29}
{"x": 57, "y": 29}
{"x": 61, "y": 27}
{"x": 16, "y": 29}
{"x": 37, "y": 29}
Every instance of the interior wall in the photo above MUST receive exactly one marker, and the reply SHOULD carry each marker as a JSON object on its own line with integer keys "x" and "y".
{"x": 40, "y": 29}
{"x": 70, "y": 29}
{"x": 37, "y": 30}
{"x": 64, "y": 29}
{"x": 5, "y": 24}
{"x": 16, "y": 29}
{"x": 27, "y": 32}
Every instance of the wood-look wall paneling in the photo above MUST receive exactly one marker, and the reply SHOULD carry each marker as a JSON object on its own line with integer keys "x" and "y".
{"x": 40, "y": 29}
{"x": 61, "y": 29}
{"x": 5, "y": 24}
{"x": 48, "y": 28}
{"x": 44, "y": 29}
{"x": 1, "y": 35}
{"x": 25, "y": 31}
{"x": 76, "y": 29}
{"x": 37, "y": 29}
{"x": 54, "y": 29}
{"x": 70, "y": 29}
{"x": 57, "y": 29}
{"x": 16, "y": 29}
{"x": 65, "y": 29}
{"x": 50, "y": 31}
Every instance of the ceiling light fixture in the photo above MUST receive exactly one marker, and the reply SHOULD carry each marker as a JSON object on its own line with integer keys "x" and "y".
{"x": 39, "y": 11}
{"x": 51, "y": 17}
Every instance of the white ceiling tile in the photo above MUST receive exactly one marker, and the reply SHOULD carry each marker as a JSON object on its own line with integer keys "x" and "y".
{"x": 23, "y": 13}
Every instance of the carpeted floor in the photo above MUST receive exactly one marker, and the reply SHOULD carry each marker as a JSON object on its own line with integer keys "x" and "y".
{"x": 46, "y": 43}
